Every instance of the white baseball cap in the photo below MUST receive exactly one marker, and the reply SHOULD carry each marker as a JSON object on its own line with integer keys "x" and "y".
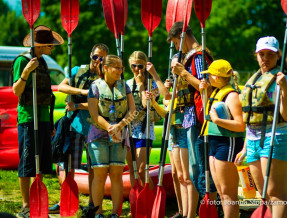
{"x": 268, "y": 42}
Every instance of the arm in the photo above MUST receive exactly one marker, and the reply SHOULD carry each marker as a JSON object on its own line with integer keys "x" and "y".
{"x": 182, "y": 72}
{"x": 281, "y": 81}
{"x": 94, "y": 112}
{"x": 20, "y": 84}
{"x": 162, "y": 89}
{"x": 70, "y": 90}
{"x": 235, "y": 125}
{"x": 241, "y": 155}
{"x": 155, "y": 105}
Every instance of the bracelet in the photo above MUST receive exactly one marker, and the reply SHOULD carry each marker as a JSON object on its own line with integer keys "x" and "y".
{"x": 23, "y": 79}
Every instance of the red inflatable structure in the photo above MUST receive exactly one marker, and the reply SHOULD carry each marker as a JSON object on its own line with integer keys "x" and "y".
{"x": 81, "y": 178}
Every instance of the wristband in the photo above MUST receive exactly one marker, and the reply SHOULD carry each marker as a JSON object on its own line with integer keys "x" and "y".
{"x": 24, "y": 80}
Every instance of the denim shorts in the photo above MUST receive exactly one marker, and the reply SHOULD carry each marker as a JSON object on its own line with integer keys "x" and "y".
{"x": 196, "y": 161}
{"x": 255, "y": 152}
{"x": 27, "y": 167}
{"x": 177, "y": 137}
{"x": 104, "y": 153}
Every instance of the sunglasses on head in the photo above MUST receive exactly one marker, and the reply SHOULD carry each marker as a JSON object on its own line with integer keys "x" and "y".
{"x": 140, "y": 66}
{"x": 95, "y": 57}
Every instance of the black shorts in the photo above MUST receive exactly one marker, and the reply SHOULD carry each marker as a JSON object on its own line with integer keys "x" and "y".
{"x": 27, "y": 166}
{"x": 225, "y": 148}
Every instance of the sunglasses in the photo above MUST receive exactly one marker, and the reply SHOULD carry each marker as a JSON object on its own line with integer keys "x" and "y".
{"x": 95, "y": 57}
{"x": 140, "y": 66}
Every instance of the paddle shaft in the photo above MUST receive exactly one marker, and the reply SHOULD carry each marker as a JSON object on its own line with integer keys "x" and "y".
{"x": 149, "y": 83}
{"x": 171, "y": 47}
{"x": 275, "y": 120}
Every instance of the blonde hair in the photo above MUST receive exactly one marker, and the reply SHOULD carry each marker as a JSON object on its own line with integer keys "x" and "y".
{"x": 138, "y": 55}
{"x": 108, "y": 61}
{"x": 233, "y": 79}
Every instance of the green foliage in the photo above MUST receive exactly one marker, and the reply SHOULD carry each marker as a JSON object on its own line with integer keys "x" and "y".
{"x": 231, "y": 31}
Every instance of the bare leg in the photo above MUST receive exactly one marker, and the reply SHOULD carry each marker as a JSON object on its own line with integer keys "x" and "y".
{"x": 25, "y": 190}
{"x": 277, "y": 186}
{"x": 226, "y": 180}
{"x": 256, "y": 171}
{"x": 180, "y": 176}
{"x": 100, "y": 176}
{"x": 90, "y": 178}
{"x": 141, "y": 162}
{"x": 176, "y": 183}
{"x": 116, "y": 176}
{"x": 131, "y": 168}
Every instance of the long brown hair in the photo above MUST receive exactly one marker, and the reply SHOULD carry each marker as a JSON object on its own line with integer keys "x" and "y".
{"x": 108, "y": 61}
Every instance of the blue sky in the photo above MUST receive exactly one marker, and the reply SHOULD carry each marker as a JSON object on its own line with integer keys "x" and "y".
{"x": 14, "y": 4}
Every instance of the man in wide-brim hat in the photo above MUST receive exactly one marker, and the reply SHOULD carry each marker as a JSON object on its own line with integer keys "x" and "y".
{"x": 44, "y": 40}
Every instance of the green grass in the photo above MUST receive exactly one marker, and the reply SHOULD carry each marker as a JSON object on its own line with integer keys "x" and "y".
{"x": 11, "y": 200}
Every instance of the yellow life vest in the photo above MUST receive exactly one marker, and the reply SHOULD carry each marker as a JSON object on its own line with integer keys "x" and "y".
{"x": 210, "y": 128}
{"x": 107, "y": 98}
{"x": 254, "y": 99}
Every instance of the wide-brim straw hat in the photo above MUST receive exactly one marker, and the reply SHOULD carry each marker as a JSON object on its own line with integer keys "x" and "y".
{"x": 43, "y": 36}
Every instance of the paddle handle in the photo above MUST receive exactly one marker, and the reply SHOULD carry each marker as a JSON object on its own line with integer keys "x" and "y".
{"x": 171, "y": 47}
{"x": 69, "y": 96}
{"x": 275, "y": 119}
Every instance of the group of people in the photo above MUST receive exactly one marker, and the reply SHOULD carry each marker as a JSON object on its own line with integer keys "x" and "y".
{"x": 97, "y": 87}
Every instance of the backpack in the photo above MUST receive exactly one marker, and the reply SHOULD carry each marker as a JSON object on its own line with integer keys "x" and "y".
{"x": 61, "y": 140}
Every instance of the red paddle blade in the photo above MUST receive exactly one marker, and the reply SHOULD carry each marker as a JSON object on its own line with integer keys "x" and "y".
{"x": 206, "y": 209}
{"x": 39, "y": 204}
{"x": 125, "y": 6}
{"x": 174, "y": 12}
{"x": 70, "y": 15}
{"x": 158, "y": 209}
{"x": 151, "y": 14}
{"x": 69, "y": 197}
{"x": 202, "y": 10}
{"x": 114, "y": 13}
{"x": 31, "y": 10}
{"x": 134, "y": 193}
{"x": 145, "y": 203}
{"x": 284, "y": 5}
{"x": 188, "y": 6}
{"x": 262, "y": 211}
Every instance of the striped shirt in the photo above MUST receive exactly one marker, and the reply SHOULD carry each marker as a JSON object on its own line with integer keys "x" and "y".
{"x": 190, "y": 112}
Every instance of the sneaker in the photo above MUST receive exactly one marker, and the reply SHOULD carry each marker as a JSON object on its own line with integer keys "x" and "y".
{"x": 54, "y": 209}
{"x": 89, "y": 212}
{"x": 114, "y": 215}
{"x": 24, "y": 212}
{"x": 177, "y": 215}
{"x": 100, "y": 215}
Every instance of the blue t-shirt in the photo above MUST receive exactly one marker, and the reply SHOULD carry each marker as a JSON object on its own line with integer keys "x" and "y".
{"x": 79, "y": 124}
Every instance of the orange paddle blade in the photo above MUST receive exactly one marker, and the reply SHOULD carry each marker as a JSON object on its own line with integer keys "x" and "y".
{"x": 145, "y": 203}
{"x": 39, "y": 204}
{"x": 158, "y": 209}
{"x": 206, "y": 209}
{"x": 69, "y": 197}
{"x": 262, "y": 211}
{"x": 134, "y": 193}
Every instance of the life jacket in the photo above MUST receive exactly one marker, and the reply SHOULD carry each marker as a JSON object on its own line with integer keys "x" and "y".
{"x": 256, "y": 105}
{"x": 210, "y": 128}
{"x": 107, "y": 98}
{"x": 141, "y": 111}
{"x": 188, "y": 95}
{"x": 43, "y": 84}
{"x": 83, "y": 80}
